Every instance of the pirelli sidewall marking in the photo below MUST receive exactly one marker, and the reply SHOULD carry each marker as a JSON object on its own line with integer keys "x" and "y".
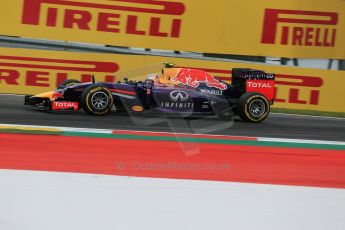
{"x": 32, "y": 71}
{"x": 289, "y": 28}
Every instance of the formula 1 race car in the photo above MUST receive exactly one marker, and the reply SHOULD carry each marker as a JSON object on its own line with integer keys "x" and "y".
{"x": 180, "y": 91}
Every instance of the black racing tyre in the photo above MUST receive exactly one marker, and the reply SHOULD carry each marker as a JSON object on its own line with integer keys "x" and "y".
{"x": 253, "y": 107}
{"x": 97, "y": 100}
{"x": 68, "y": 82}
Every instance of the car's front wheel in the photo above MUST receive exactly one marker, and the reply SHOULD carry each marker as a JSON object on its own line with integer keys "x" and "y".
{"x": 253, "y": 107}
{"x": 97, "y": 100}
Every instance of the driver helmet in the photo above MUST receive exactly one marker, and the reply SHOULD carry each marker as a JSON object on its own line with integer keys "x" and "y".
{"x": 152, "y": 76}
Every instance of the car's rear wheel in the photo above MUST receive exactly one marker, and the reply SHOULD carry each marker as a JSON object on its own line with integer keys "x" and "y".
{"x": 67, "y": 83}
{"x": 97, "y": 100}
{"x": 253, "y": 107}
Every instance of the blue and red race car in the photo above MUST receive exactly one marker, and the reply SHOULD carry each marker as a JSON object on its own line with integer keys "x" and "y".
{"x": 181, "y": 91}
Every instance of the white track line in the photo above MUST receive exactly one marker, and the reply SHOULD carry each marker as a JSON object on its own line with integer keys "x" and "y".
{"x": 15, "y": 95}
{"x": 267, "y": 139}
{"x": 68, "y": 129}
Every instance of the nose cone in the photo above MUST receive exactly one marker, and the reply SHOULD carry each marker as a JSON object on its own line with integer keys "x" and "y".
{"x": 49, "y": 94}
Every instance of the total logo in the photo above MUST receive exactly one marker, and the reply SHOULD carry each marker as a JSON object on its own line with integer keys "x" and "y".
{"x": 178, "y": 95}
{"x": 65, "y": 105}
{"x": 265, "y": 87}
{"x": 259, "y": 84}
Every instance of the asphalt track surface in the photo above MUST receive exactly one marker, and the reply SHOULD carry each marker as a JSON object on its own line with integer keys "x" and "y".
{"x": 12, "y": 111}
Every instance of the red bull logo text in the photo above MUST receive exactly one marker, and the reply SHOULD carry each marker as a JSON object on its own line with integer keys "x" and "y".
{"x": 193, "y": 78}
{"x": 39, "y": 71}
{"x": 300, "y": 28}
{"x": 121, "y": 16}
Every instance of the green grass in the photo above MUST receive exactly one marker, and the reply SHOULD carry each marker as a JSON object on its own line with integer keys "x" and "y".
{"x": 309, "y": 112}
{"x": 208, "y": 141}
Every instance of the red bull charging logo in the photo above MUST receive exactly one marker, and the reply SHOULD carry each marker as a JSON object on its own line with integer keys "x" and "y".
{"x": 193, "y": 78}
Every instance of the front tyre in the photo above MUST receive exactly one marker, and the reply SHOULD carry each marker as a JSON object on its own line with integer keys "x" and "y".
{"x": 253, "y": 107}
{"x": 97, "y": 100}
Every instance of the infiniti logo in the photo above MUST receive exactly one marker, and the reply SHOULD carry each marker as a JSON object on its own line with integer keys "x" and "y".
{"x": 178, "y": 95}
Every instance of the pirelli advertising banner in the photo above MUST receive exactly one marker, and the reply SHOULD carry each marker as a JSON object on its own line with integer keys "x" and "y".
{"x": 33, "y": 71}
{"x": 289, "y": 28}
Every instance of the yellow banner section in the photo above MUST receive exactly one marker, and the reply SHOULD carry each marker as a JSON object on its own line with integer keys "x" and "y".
{"x": 289, "y": 28}
{"x": 35, "y": 71}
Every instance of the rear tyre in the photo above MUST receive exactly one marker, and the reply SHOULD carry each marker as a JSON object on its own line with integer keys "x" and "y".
{"x": 97, "y": 100}
{"x": 253, "y": 107}
{"x": 67, "y": 83}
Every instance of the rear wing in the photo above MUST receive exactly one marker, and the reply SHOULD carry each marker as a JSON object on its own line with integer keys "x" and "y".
{"x": 251, "y": 80}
